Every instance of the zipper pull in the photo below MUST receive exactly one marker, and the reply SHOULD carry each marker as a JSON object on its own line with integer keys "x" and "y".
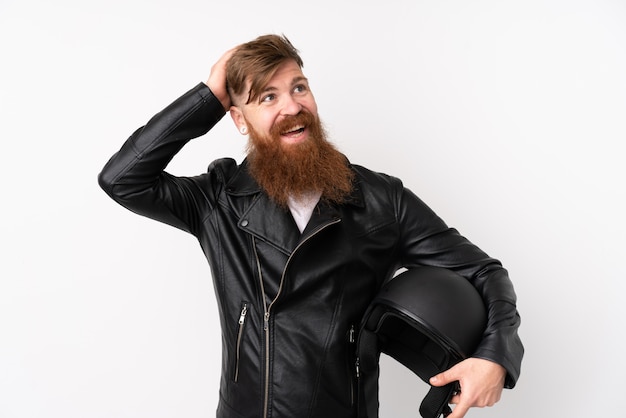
{"x": 351, "y": 335}
{"x": 266, "y": 321}
{"x": 357, "y": 368}
{"x": 242, "y": 316}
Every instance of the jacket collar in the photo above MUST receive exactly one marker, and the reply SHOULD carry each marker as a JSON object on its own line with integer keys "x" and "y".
{"x": 269, "y": 222}
{"x": 243, "y": 184}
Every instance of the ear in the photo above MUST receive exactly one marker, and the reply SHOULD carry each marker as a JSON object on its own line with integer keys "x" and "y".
{"x": 240, "y": 121}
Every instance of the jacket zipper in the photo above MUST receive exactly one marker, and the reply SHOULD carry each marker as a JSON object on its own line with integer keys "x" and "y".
{"x": 267, "y": 309}
{"x": 242, "y": 323}
{"x": 351, "y": 354}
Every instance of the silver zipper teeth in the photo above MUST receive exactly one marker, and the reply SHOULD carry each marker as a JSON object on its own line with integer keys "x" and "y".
{"x": 351, "y": 340}
{"x": 267, "y": 308}
{"x": 242, "y": 320}
{"x": 265, "y": 327}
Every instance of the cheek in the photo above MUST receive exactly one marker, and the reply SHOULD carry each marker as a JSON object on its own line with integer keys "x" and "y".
{"x": 260, "y": 122}
{"x": 311, "y": 106}
{"x": 267, "y": 122}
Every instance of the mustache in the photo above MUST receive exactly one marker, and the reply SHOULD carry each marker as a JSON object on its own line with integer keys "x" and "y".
{"x": 302, "y": 119}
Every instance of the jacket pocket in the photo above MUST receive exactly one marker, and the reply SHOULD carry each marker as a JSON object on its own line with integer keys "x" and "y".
{"x": 240, "y": 328}
{"x": 351, "y": 363}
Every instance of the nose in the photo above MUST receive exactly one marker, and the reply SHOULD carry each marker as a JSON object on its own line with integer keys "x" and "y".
{"x": 291, "y": 106}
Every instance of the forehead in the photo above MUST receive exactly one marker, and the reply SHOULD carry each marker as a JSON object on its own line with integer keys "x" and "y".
{"x": 285, "y": 76}
{"x": 288, "y": 72}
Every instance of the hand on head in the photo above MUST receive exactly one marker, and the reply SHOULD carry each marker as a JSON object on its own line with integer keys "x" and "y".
{"x": 217, "y": 79}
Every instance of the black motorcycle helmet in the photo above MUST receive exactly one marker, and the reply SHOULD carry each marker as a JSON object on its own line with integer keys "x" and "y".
{"x": 426, "y": 318}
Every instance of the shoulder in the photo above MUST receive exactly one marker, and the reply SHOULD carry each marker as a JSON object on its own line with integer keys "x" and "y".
{"x": 224, "y": 166}
{"x": 380, "y": 192}
{"x": 376, "y": 181}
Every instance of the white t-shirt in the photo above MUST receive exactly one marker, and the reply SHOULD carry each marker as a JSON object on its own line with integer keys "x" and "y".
{"x": 302, "y": 209}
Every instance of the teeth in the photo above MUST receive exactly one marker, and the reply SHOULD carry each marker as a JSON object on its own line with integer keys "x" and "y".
{"x": 294, "y": 129}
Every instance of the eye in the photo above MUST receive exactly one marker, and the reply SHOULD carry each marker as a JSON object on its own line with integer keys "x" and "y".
{"x": 268, "y": 98}
{"x": 300, "y": 88}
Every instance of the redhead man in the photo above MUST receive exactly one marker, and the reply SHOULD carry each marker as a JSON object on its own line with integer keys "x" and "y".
{"x": 299, "y": 240}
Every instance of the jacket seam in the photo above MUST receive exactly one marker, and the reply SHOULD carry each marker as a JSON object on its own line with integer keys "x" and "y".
{"x": 139, "y": 154}
{"x": 329, "y": 335}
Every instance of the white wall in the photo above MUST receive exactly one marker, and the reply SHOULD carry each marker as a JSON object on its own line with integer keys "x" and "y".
{"x": 506, "y": 117}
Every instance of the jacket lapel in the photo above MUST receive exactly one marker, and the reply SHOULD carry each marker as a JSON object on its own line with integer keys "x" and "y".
{"x": 271, "y": 223}
{"x": 259, "y": 216}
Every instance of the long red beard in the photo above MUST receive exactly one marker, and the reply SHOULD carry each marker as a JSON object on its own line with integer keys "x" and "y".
{"x": 297, "y": 170}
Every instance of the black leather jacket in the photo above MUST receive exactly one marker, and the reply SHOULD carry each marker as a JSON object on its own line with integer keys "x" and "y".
{"x": 289, "y": 303}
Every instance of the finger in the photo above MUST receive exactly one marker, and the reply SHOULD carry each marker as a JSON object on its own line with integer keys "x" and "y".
{"x": 443, "y": 378}
{"x": 453, "y": 374}
{"x": 459, "y": 411}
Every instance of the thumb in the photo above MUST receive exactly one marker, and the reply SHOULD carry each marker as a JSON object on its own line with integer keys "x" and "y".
{"x": 444, "y": 378}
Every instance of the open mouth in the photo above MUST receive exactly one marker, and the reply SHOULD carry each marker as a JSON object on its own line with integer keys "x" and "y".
{"x": 294, "y": 131}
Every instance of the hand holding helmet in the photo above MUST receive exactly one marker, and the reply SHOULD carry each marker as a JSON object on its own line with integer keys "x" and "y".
{"x": 481, "y": 382}
{"x": 430, "y": 320}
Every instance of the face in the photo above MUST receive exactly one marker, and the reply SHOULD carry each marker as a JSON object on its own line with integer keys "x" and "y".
{"x": 287, "y": 94}
{"x": 288, "y": 153}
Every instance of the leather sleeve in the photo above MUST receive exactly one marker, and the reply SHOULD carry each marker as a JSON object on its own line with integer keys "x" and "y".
{"x": 427, "y": 240}
{"x": 135, "y": 177}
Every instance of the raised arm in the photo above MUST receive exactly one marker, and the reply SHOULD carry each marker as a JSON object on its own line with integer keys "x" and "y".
{"x": 135, "y": 176}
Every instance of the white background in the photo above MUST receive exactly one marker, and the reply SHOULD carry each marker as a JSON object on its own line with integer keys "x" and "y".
{"x": 506, "y": 117}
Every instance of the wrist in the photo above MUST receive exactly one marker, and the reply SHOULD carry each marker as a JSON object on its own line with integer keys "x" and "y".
{"x": 220, "y": 94}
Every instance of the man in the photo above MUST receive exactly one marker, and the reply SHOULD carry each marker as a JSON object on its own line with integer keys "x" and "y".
{"x": 299, "y": 241}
